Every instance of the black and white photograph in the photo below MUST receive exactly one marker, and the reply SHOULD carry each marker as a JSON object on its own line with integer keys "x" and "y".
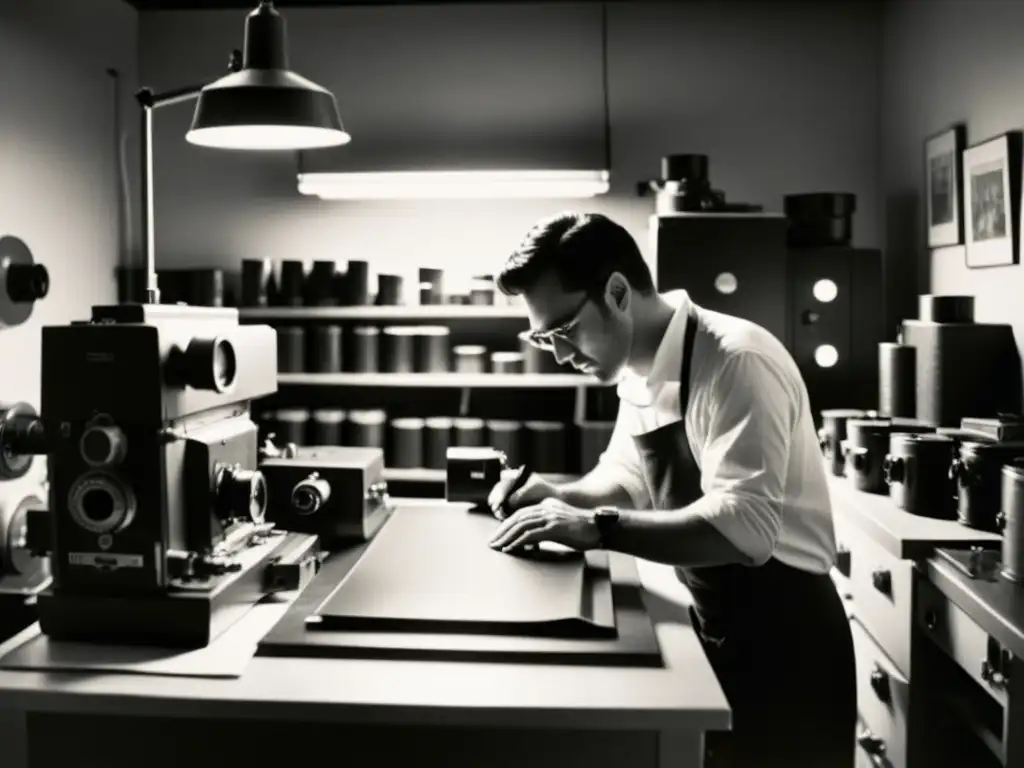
{"x": 991, "y": 183}
{"x": 511, "y": 384}
{"x": 944, "y": 187}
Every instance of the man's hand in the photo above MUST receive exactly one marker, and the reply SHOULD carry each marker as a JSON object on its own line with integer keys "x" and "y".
{"x": 536, "y": 490}
{"x": 550, "y": 520}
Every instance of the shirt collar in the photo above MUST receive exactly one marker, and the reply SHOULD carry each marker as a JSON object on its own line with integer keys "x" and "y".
{"x": 668, "y": 359}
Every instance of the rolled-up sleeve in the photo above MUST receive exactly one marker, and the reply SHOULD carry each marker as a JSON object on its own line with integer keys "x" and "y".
{"x": 621, "y": 459}
{"x": 745, "y": 456}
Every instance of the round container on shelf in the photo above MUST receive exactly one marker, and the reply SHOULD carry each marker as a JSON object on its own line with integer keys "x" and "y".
{"x": 437, "y": 433}
{"x": 291, "y": 426}
{"x": 406, "y": 443}
{"x": 398, "y": 349}
{"x": 506, "y": 362}
{"x": 977, "y": 472}
{"x": 506, "y": 436}
{"x": 432, "y": 349}
{"x": 291, "y": 349}
{"x": 833, "y": 431}
{"x": 916, "y": 469}
{"x": 325, "y": 427}
{"x": 1011, "y": 520}
{"x": 389, "y": 290}
{"x": 325, "y": 349}
{"x": 365, "y": 349}
{"x": 546, "y": 445}
{"x": 481, "y": 292}
{"x": 357, "y": 283}
{"x": 468, "y": 432}
{"x": 365, "y": 428}
{"x": 866, "y": 446}
{"x": 470, "y": 358}
{"x": 292, "y": 285}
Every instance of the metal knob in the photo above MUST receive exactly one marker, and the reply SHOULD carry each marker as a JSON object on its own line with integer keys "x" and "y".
{"x": 893, "y": 469}
{"x": 870, "y": 743}
{"x": 880, "y": 684}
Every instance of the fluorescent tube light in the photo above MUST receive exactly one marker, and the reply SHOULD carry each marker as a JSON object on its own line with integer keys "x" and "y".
{"x": 462, "y": 185}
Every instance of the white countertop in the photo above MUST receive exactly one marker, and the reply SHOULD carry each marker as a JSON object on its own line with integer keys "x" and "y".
{"x": 683, "y": 695}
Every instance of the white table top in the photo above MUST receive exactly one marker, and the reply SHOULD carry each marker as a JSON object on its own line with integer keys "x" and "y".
{"x": 683, "y": 695}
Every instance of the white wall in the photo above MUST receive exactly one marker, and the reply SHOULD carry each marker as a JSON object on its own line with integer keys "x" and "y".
{"x": 59, "y": 181}
{"x": 783, "y": 97}
{"x": 949, "y": 61}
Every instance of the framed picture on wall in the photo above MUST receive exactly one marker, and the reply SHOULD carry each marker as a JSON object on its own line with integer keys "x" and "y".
{"x": 944, "y": 186}
{"x": 992, "y": 201}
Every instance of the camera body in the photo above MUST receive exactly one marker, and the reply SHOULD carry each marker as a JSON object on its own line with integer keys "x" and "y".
{"x": 335, "y": 492}
{"x": 156, "y": 500}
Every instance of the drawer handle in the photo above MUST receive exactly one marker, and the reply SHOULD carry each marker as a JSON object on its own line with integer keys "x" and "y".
{"x": 880, "y": 684}
{"x": 882, "y": 581}
{"x": 931, "y": 619}
{"x": 992, "y": 676}
{"x": 872, "y": 745}
{"x": 843, "y": 560}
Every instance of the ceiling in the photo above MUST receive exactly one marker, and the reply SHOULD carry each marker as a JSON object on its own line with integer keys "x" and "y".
{"x": 167, "y": 5}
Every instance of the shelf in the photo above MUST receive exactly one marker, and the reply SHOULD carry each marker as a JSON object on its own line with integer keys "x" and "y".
{"x": 438, "y": 476}
{"x": 473, "y": 380}
{"x": 401, "y": 312}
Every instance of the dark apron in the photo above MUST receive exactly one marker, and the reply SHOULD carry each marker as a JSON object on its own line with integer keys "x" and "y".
{"x": 777, "y": 637}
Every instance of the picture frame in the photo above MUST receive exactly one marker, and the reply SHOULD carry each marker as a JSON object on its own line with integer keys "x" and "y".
{"x": 944, "y": 189}
{"x": 991, "y": 211}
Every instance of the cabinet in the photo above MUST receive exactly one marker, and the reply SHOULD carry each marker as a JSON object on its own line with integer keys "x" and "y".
{"x": 820, "y": 302}
{"x": 883, "y": 572}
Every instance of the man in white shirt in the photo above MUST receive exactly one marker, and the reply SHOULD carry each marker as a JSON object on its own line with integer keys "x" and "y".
{"x": 713, "y": 467}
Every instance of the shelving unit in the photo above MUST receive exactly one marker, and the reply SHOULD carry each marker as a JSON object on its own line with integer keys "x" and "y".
{"x": 570, "y": 398}
{"x": 415, "y": 312}
{"x": 458, "y": 380}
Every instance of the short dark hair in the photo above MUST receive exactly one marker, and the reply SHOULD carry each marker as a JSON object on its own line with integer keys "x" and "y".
{"x": 582, "y": 249}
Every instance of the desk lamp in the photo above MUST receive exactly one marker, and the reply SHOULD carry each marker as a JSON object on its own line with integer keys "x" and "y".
{"x": 259, "y": 105}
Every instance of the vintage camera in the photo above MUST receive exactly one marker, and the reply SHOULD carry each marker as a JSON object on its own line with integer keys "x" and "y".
{"x": 336, "y": 492}
{"x": 156, "y": 529}
{"x": 23, "y": 574}
{"x": 472, "y": 473}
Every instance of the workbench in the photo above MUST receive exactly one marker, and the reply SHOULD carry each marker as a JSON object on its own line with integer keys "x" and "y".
{"x": 427, "y": 713}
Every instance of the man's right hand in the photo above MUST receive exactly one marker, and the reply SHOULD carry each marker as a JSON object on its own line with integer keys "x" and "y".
{"x": 536, "y": 490}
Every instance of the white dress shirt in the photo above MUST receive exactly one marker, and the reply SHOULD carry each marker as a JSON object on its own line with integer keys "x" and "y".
{"x": 750, "y": 429}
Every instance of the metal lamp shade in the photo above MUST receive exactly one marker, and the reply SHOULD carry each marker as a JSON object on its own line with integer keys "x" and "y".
{"x": 266, "y": 109}
{"x": 264, "y": 105}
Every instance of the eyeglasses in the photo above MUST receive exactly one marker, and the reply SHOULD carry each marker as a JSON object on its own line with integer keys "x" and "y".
{"x": 546, "y": 339}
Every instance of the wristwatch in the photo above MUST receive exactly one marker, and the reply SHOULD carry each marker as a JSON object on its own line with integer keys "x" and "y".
{"x": 607, "y": 520}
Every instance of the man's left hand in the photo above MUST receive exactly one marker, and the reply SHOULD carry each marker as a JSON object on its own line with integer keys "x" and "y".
{"x": 550, "y": 520}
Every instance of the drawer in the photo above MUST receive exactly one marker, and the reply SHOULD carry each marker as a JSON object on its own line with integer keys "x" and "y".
{"x": 882, "y": 587}
{"x": 883, "y": 697}
{"x": 970, "y": 646}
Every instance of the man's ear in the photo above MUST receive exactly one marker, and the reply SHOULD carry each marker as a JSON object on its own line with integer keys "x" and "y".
{"x": 617, "y": 292}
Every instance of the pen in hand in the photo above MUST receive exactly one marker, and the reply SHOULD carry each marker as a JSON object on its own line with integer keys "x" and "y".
{"x": 500, "y": 508}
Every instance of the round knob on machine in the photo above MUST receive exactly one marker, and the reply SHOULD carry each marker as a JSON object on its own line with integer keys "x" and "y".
{"x": 21, "y": 438}
{"x": 310, "y": 494}
{"x": 241, "y": 493}
{"x": 209, "y": 364}
{"x": 880, "y": 683}
{"x": 27, "y": 282}
{"x": 882, "y": 581}
{"x": 103, "y": 445}
{"x": 17, "y": 557}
